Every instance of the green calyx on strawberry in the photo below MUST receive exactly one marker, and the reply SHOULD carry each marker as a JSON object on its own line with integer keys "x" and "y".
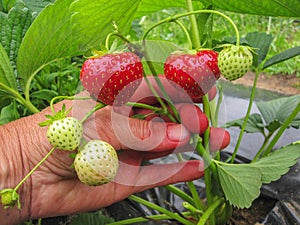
{"x": 96, "y": 163}
{"x": 64, "y": 133}
{"x": 196, "y": 72}
{"x": 112, "y": 78}
{"x": 234, "y": 61}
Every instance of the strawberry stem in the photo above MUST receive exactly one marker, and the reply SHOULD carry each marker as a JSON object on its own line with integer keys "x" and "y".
{"x": 196, "y": 199}
{"x": 188, "y": 37}
{"x": 210, "y": 211}
{"x": 34, "y": 169}
{"x": 65, "y": 98}
{"x": 141, "y": 219}
{"x": 118, "y": 34}
{"x": 16, "y": 95}
{"x": 175, "y": 17}
{"x": 144, "y": 106}
{"x": 160, "y": 209}
{"x": 251, "y": 100}
{"x": 177, "y": 191}
{"x": 194, "y": 25}
{"x": 92, "y": 111}
{"x": 165, "y": 95}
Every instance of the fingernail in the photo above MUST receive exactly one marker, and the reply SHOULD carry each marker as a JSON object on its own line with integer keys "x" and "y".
{"x": 177, "y": 133}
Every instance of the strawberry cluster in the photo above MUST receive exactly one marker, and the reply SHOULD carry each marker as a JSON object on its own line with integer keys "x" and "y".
{"x": 113, "y": 78}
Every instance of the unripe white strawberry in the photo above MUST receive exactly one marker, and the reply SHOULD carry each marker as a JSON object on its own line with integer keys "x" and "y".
{"x": 65, "y": 134}
{"x": 234, "y": 61}
{"x": 96, "y": 163}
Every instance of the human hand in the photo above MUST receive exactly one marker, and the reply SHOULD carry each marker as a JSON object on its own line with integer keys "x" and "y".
{"x": 54, "y": 190}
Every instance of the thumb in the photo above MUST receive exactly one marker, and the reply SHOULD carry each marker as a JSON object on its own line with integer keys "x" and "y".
{"x": 148, "y": 135}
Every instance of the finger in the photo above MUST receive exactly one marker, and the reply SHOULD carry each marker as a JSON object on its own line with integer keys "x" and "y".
{"x": 219, "y": 138}
{"x": 193, "y": 118}
{"x": 155, "y": 155}
{"x": 164, "y": 174}
{"x": 131, "y": 174}
{"x": 148, "y": 135}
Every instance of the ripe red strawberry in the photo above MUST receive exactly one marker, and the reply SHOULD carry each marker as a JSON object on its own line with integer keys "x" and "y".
{"x": 235, "y": 61}
{"x": 196, "y": 73}
{"x": 112, "y": 78}
{"x": 96, "y": 163}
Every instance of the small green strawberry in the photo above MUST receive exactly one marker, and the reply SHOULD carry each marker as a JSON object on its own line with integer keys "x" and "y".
{"x": 96, "y": 163}
{"x": 9, "y": 197}
{"x": 64, "y": 133}
{"x": 234, "y": 61}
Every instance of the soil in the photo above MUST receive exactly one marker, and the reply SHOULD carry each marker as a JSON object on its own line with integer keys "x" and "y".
{"x": 252, "y": 216}
{"x": 282, "y": 84}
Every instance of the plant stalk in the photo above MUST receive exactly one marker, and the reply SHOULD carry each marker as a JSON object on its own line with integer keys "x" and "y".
{"x": 194, "y": 25}
{"x": 246, "y": 117}
{"x": 34, "y": 169}
{"x": 281, "y": 130}
{"x": 91, "y": 112}
{"x": 146, "y": 219}
{"x": 262, "y": 148}
{"x": 184, "y": 196}
{"x": 160, "y": 209}
{"x": 210, "y": 211}
{"x": 175, "y": 17}
{"x": 16, "y": 95}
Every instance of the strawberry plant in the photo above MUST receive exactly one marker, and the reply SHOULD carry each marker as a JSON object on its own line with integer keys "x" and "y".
{"x": 65, "y": 29}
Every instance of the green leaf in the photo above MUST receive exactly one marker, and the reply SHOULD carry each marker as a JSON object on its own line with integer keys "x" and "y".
{"x": 285, "y": 8}
{"x": 275, "y": 112}
{"x": 13, "y": 27}
{"x": 44, "y": 94}
{"x": 278, "y": 163}
{"x": 151, "y": 6}
{"x": 93, "y": 24}
{"x": 240, "y": 182}
{"x": 254, "y": 123}
{"x": 9, "y": 113}
{"x": 7, "y": 4}
{"x": 7, "y": 77}
{"x": 96, "y": 218}
{"x": 49, "y": 38}
{"x": 268, "y": 111}
{"x": 37, "y": 5}
{"x": 283, "y": 56}
{"x": 287, "y": 108}
{"x": 260, "y": 41}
